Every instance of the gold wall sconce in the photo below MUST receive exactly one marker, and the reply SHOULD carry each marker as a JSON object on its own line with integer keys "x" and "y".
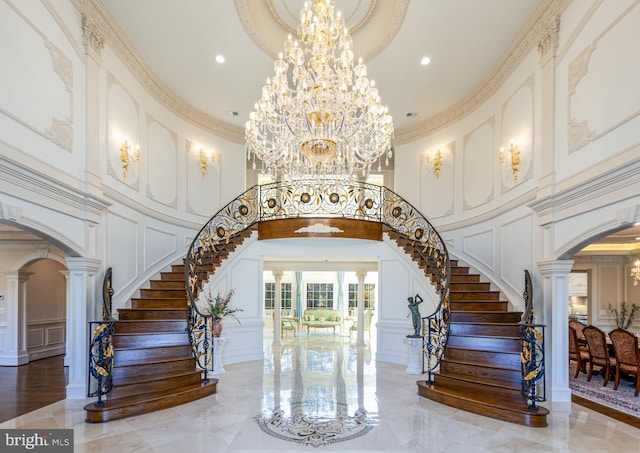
{"x": 635, "y": 273}
{"x": 205, "y": 157}
{"x": 127, "y": 154}
{"x": 435, "y": 160}
{"x": 511, "y": 157}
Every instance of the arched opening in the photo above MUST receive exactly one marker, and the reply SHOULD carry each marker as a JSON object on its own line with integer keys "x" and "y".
{"x": 33, "y": 322}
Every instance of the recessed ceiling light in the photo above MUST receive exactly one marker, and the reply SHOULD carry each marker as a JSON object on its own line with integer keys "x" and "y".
{"x": 412, "y": 114}
{"x": 232, "y": 113}
{"x": 425, "y": 61}
{"x": 220, "y": 58}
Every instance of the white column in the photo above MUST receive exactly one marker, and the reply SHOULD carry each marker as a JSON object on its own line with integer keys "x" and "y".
{"x": 80, "y": 309}
{"x": 277, "y": 308}
{"x": 555, "y": 297}
{"x": 67, "y": 355}
{"x": 14, "y": 347}
{"x": 360, "y": 334}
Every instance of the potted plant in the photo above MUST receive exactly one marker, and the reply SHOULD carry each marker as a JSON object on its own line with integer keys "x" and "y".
{"x": 218, "y": 307}
{"x": 624, "y": 317}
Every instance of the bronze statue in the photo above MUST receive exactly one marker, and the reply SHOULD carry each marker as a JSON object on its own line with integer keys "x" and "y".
{"x": 415, "y": 314}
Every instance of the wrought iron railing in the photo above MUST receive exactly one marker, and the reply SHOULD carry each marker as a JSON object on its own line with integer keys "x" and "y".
{"x": 531, "y": 350}
{"x": 101, "y": 345}
{"x": 359, "y": 201}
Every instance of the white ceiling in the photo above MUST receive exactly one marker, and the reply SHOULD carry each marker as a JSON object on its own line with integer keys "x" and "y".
{"x": 464, "y": 38}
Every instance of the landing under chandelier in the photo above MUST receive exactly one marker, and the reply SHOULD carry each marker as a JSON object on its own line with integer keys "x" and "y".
{"x": 319, "y": 117}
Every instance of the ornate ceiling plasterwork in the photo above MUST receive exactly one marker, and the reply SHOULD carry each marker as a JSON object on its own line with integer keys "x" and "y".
{"x": 530, "y": 36}
{"x": 376, "y": 22}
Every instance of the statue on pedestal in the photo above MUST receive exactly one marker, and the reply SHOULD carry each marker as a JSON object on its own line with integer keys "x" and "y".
{"x": 415, "y": 314}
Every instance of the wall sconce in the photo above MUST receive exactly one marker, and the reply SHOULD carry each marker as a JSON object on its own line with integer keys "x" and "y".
{"x": 435, "y": 159}
{"x": 205, "y": 157}
{"x": 126, "y": 156}
{"x": 635, "y": 273}
{"x": 511, "y": 158}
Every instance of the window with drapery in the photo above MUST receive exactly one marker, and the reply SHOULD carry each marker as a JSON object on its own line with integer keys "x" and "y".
{"x": 320, "y": 295}
{"x": 270, "y": 296}
{"x": 369, "y": 296}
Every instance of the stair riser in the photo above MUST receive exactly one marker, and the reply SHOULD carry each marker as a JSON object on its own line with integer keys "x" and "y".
{"x": 485, "y": 343}
{"x": 167, "y": 284}
{"x": 147, "y": 293}
{"x": 536, "y": 419}
{"x": 511, "y": 317}
{"x": 153, "y": 369}
{"x": 511, "y": 378}
{"x": 501, "y": 359}
{"x": 172, "y": 276}
{"x": 459, "y": 270}
{"x": 478, "y": 306}
{"x": 159, "y": 303}
{"x": 457, "y": 286}
{"x": 120, "y": 391}
{"x": 95, "y": 415}
{"x": 150, "y": 326}
{"x": 127, "y": 356}
{"x": 136, "y": 341}
{"x": 474, "y": 296}
{"x": 473, "y": 278}
{"x": 498, "y": 330}
{"x": 149, "y": 313}
{"x": 444, "y": 382}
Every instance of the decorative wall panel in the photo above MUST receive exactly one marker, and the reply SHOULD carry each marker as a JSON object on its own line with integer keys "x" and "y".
{"x": 162, "y": 163}
{"x": 203, "y": 192}
{"x": 123, "y": 123}
{"x": 479, "y": 164}
{"x": 480, "y": 247}
{"x": 437, "y": 194}
{"x": 516, "y": 252}
{"x": 158, "y": 246}
{"x": 123, "y": 252}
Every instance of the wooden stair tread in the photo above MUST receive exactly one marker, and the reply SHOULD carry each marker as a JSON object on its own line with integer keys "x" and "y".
{"x": 487, "y": 405}
{"x": 153, "y": 360}
{"x": 507, "y": 337}
{"x": 153, "y": 377}
{"x": 117, "y": 408}
{"x": 475, "y": 379}
{"x": 483, "y": 350}
{"x": 482, "y": 364}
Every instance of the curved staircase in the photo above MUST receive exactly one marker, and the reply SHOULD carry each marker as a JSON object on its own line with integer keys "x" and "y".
{"x": 480, "y": 370}
{"x": 153, "y": 366}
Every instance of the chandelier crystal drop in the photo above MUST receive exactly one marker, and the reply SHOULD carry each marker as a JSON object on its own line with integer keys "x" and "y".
{"x": 319, "y": 116}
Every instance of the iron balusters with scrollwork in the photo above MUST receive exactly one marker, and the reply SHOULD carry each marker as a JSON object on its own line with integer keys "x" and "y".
{"x": 360, "y": 201}
{"x": 101, "y": 345}
{"x": 101, "y": 358}
{"x": 531, "y": 350}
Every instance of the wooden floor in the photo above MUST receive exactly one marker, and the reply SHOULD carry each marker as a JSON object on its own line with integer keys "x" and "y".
{"x": 29, "y": 387}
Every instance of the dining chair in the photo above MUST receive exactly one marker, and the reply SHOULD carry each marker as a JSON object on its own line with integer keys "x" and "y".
{"x": 578, "y": 327}
{"x": 598, "y": 352}
{"x": 625, "y": 346}
{"x": 576, "y": 353}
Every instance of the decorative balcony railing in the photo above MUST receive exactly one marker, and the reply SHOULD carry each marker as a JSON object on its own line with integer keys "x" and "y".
{"x": 101, "y": 346}
{"x": 531, "y": 350}
{"x": 360, "y": 201}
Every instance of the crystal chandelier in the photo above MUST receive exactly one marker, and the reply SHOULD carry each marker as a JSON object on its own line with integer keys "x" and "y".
{"x": 319, "y": 117}
{"x": 635, "y": 273}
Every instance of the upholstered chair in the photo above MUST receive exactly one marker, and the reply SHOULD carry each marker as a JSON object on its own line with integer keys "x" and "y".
{"x": 598, "y": 352}
{"x": 625, "y": 346}
{"x": 578, "y": 327}
{"x": 578, "y": 355}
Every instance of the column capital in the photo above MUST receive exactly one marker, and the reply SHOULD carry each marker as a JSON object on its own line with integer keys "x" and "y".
{"x": 555, "y": 267}
{"x": 277, "y": 273}
{"x": 21, "y": 276}
{"x": 83, "y": 264}
{"x": 361, "y": 274}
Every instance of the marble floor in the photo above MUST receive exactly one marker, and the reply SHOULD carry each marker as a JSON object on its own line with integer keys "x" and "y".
{"x": 320, "y": 390}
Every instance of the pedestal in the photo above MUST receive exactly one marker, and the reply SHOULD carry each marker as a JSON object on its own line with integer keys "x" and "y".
{"x": 218, "y": 344}
{"x": 415, "y": 354}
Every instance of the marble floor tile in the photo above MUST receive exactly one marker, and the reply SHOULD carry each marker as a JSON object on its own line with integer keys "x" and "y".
{"x": 316, "y": 380}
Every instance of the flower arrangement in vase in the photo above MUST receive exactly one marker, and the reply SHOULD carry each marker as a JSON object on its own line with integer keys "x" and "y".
{"x": 218, "y": 307}
{"x": 624, "y": 317}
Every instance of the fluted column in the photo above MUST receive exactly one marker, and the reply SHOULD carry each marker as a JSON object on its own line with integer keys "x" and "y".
{"x": 67, "y": 329}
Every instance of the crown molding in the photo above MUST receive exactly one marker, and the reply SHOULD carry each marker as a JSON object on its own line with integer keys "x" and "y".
{"x": 530, "y": 36}
{"x": 104, "y": 24}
